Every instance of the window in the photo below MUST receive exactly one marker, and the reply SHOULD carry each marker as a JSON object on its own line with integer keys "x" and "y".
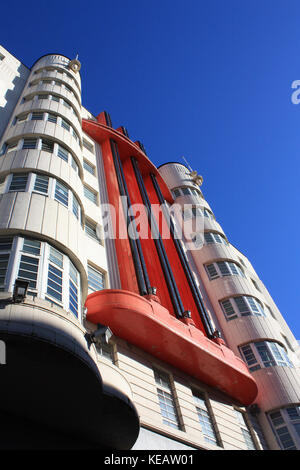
{"x": 205, "y": 418}
{"x": 212, "y": 237}
{"x": 245, "y": 430}
{"x": 255, "y": 285}
{"x": 18, "y": 182}
{"x": 89, "y": 167}
{"x": 96, "y": 279}
{"x": 5, "y": 249}
{"x": 74, "y": 165}
{"x": 63, "y": 153}
{"x": 76, "y": 207}
{"x": 90, "y": 194}
{"x": 61, "y": 193}
{"x": 47, "y": 145}
{"x": 283, "y": 428}
{"x": 29, "y": 262}
{"x": 37, "y": 116}
{"x": 73, "y": 289}
{"x": 265, "y": 354}
{"x": 90, "y": 229}
{"x": 9, "y": 147}
{"x": 186, "y": 191}
{"x": 29, "y": 143}
{"x": 65, "y": 124}
{"x": 52, "y": 118}
{"x": 241, "y": 306}
{"x": 50, "y": 273}
{"x": 223, "y": 268}
{"x": 41, "y": 184}
{"x": 88, "y": 145}
{"x": 166, "y": 399}
{"x": 22, "y": 118}
{"x": 55, "y": 98}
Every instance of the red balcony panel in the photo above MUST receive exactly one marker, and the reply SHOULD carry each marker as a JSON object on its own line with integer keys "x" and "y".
{"x": 149, "y": 326}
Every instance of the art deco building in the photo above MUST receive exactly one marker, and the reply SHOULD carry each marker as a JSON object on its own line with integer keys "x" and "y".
{"x": 133, "y": 340}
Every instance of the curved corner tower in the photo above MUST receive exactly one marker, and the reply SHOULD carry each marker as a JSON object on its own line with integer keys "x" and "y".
{"x": 50, "y": 248}
{"x": 250, "y": 322}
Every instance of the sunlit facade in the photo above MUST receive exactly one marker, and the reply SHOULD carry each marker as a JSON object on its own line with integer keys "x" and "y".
{"x": 127, "y": 341}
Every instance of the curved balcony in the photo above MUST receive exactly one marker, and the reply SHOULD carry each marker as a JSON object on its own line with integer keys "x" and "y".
{"x": 101, "y": 133}
{"x": 59, "y": 90}
{"x": 149, "y": 326}
{"x": 46, "y": 106}
{"x": 48, "y": 130}
{"x": 43, "y": 73}
{"x": 82, "y": 405}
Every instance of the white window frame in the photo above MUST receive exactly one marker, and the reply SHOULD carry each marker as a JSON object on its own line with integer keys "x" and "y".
{"x": 16, "y": 253}
{"x": 245, "y": 427}
{"x": 166, "y": 399}
{"x": 282, "y": 421}
{"x": 236, "y": 312}
{"x": 279, "y": 357}
{"x": 228, "y": 267}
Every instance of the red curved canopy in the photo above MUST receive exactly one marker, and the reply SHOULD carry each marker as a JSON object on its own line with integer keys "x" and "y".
{"x": 148, "y": 325}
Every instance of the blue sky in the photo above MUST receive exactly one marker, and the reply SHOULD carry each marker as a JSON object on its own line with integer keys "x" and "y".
{"x": 210, "y": 80}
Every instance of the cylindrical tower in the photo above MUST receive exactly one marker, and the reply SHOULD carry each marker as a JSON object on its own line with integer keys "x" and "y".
{"x": 50, "y": 247}
{"x": 251, "y": 324}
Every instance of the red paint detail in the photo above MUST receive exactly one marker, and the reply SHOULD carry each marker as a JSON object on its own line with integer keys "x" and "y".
{"x": 123, "y": 250}
{"x": 149, "y": 326}
{"x": 151, "y": 257}
{"x": 101, "y": 132}
{"x": 177, "y": 269}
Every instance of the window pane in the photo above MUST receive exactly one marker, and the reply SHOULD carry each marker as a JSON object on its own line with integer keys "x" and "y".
{"x": 54, "y": 287}
{"x": 90, "y": 230}
{"x": 228, "y": 309}
{"x": 91, "y": 195}
{"x": 62, "y": 193}
{"x": 63, "y": 153}
{"x": 37, "y": 116}
{"x": 47, "y": 145}
{"x": 18, "y": 182}
{"x": 205, "y": 419}
{"x": 28, "y": 270}
{"x": 41, "y": 184}
{"x": 29, "y": 143}
{"x": 95, "y": 279}
{"x": 212, "y": 272}
{"x": 32, "y": 246}
{"x": 4, "y": 258}
{"x": 225, "y": 271}
{"x": 87, "y": 166}
{"x": 56, "y": 257}
{"x": 52, "y": 118}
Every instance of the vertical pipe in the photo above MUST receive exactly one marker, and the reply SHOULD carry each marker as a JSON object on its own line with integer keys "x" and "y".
{"x": 136, "y": 249}
{"x": 184, "y": 261}
{"x": 174, "y": 293}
